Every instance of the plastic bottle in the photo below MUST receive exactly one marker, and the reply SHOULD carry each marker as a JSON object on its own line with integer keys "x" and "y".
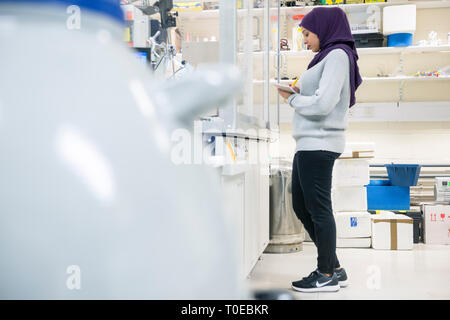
{"x": 92, "y": 206}
{"x": 297, "y": 36}
{"x": 274, "y": 33}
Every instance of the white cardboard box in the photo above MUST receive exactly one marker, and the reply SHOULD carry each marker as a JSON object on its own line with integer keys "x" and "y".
{"x": 349, "y": 199}
{"x": 351, "y": 172}
{"x": 353, "y": 224}
{"x": 399, "y": 19}
{"x": 353, "y": 242}
{"x": 361, "y": 146}
{"x": 358, "y": 150}
{"x": 392, "y": 231}
{"x": 436, "y": 219}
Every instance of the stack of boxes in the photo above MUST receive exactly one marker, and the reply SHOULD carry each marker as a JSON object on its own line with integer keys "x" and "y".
{"x": 355, "y": 226}
{"x": 436, "y": 215}
{"x": 436, "y": 219}
{"x": 353, "y": 193}
{"x": 349, "y": 197}
{"x": 392, "y": 231}
{"x": 393, "y": 194}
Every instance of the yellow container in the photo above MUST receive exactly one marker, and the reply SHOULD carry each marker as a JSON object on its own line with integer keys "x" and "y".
{"x": 328, "y": 2}
{"x": 372, "y": 1}
{"x": 127, "y": 35}
{"x": 187, "y": 6}
{"x": 353, "y": 1}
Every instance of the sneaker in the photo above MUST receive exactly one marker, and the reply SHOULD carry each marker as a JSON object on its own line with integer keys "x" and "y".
{"x": 342, "y": 277}
{"x": 317, "y": 282}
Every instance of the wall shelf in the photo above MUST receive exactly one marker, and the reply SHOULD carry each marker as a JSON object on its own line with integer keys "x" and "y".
{"x": 213, "y": 14}
{"x": 376, "y": 79}
{"x": 410, "y": 49}
{"x": 405, "y": 78}
{"x": 370, "y": 51}
{"x": 367, "y": 51}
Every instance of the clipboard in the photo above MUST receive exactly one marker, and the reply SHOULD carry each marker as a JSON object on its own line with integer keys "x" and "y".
{"x": 284, "y": 88}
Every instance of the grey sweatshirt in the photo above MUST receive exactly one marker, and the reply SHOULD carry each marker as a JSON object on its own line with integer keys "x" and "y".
{"x": 321, "y": 107}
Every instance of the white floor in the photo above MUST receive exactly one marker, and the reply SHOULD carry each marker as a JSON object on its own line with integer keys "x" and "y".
{"x": 421, "y": 273}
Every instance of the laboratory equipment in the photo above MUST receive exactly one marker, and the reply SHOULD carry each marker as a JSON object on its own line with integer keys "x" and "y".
{"x": 286, "y": 231}
{"x": 144, "y": 55}
{"x": 297, "y": 36}
{"x": 399, "y": 24}
{"x": 368, "y": 40}
{"x": 442, "y": 189}
{"x": 142, "y": 31}
{"x": 93, "y": 207}
{"x": 137, "y": 26}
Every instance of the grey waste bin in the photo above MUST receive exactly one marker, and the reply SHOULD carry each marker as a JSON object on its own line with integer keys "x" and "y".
{"x": 286, "y": 231}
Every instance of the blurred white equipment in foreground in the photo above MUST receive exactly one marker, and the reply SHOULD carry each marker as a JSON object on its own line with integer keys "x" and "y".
{"x": 91, "y": 205}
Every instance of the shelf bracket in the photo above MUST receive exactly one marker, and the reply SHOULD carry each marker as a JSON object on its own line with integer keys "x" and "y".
{"x": 400, "y": 89}
{"x": 401, "y": 62}
{"x": 400, "y": 92}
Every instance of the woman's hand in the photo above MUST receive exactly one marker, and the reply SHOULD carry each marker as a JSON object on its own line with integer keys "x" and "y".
{"x": 285, "y": 94}
{"x": 296, "y": 89}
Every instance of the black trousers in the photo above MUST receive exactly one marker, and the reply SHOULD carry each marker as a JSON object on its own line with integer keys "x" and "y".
{"x": 311, "y": 198}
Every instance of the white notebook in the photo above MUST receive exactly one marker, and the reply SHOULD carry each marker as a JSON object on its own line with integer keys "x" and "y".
{"x": 284, "y": 87}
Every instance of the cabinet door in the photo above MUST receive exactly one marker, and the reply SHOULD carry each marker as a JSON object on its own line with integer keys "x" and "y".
{"x": 274, "y": 63}
{"x": 244, "y": 41}
{"x": 234, "y": 195}
{"x": 263, "y": 201}
{"x": 250, "y": 223}
{"x": 260, "y": 49}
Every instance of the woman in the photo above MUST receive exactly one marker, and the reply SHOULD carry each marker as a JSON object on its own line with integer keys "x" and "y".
{"x": 320, "y": 119}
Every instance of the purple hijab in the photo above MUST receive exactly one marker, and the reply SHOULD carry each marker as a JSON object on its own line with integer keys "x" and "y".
{"x": 332, "y": 28}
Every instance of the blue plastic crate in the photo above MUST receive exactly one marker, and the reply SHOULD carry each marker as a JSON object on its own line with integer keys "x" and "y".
{"x": 388, "y": 198}
{"x": 399, "y": 40}
{"x": 404, "y": 175}
{"x": 384, "y": 182}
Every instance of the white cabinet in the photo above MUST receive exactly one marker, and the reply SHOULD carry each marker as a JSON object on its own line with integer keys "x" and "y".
{"x": 245, "y": 196}
{"x": 242, "y": 34}
{"x": 233, "y": 195}
{"x": 256, "y": 222}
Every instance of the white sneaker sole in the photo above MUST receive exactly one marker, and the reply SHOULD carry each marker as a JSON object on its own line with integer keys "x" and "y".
{"x": 321, "y": 289}
{"x": 343, "y": 284}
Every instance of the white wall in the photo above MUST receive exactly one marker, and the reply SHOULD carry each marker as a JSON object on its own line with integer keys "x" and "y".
{"x": 398, "y": 142}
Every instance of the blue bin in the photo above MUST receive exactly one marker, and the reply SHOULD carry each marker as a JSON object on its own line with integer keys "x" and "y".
{"x": 388, "y": 198}
{"x": 404, "y": 175}
{"x": 384, "y": 182}
{"x": 399, "y": 40}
